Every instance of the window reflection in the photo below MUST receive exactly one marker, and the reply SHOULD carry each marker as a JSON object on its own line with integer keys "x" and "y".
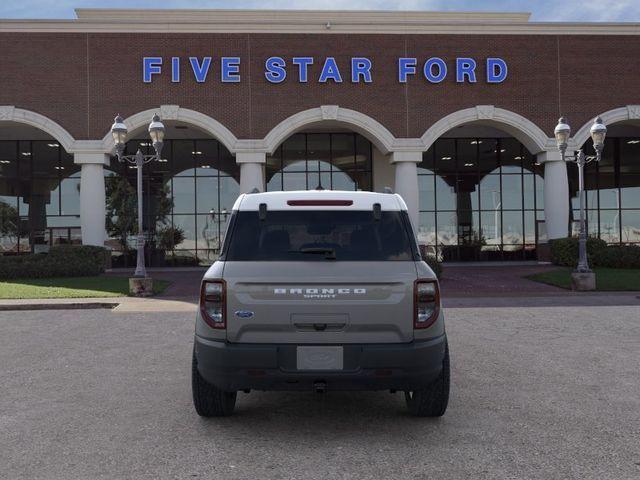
{"x": 190, "y": 191}
{"x": 39, "y": 196}
{"x": 612, "y": 191}
{"x": 335, "y": 161}
{"x": 486, "y": 202}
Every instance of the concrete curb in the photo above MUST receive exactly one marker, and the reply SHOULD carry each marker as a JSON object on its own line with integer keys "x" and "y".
{"x": 58, "y": 306}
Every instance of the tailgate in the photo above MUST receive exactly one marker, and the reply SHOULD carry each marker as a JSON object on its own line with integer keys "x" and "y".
{"x": 320, "y": 302}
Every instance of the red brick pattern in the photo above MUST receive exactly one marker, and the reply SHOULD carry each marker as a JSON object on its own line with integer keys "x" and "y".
{"x": 81, "y": 80}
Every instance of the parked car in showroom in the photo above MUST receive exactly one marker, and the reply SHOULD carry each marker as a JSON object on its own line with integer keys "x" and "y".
{"x": 317, "y": 291}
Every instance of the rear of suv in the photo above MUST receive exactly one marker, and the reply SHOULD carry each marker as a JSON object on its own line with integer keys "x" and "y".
{"x": 320, "y": 290}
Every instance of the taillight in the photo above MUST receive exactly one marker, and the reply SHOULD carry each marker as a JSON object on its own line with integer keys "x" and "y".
{"x": 426, "y": 303}
{"x": 212, "y": 303}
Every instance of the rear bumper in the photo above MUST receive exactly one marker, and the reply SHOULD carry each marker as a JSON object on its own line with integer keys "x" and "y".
{"x": 405, "y": 366}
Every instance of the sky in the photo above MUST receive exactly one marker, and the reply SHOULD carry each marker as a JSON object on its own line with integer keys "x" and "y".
{"x": 542, "y": 10}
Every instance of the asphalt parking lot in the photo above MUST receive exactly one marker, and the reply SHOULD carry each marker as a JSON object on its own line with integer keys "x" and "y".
{"x": 538, "y": 392}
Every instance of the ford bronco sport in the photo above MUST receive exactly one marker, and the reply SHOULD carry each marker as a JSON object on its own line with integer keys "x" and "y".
{"x": 320, "y": 290}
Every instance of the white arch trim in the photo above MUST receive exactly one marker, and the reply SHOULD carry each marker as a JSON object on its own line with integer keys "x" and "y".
{"x": 10, "y": 113}
{"x": 531, "y": 136}
{"x": 382, "y": 138}
{"x": 177, "y": 113}
{"x": 628, "y": 112}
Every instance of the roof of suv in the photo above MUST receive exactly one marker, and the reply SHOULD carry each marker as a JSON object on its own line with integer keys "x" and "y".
{"x": 320, "y": 200}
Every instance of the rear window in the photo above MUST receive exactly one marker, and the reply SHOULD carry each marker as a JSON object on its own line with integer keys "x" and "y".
{"x": 320, "y": 236}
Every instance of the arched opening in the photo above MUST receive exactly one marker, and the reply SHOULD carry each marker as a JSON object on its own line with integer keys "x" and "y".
{"x": 612, "y": 187}
{"x": 39, "y": 190}
{"x": 328, "y": 147}
{"x": 187, "y": 198}
{"x": 481, "y": 196}
{"x": 330, "y": 158}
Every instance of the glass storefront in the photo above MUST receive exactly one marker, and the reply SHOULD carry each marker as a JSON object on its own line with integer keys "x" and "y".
{"x": 480, "y": 199}
{"x": 188, "y": 197}
{"x": 333, "y": 161}
{"x": 612, "y": 189}
{"x": 39, "y": 196}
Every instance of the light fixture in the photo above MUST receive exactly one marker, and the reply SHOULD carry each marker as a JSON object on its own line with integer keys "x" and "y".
{"x": 476, "y": 142}
{"x": 503, "y": 150}
{"x": 25, "y": 154}
{"x": 205, "y": 166}
{"x": 196, "y": 152}
{"x": 5, "y": 161}
{"x": 156, "y": 132}
{"x": 562, "y": 132}
{"x": 517, "y": 158}
{"x": 53, "y": 145}
{"x": 468, "y": 164}
{"x": 632, "y": 142}
{"x": 58, "y": 168}
{"x": 598, "y": 133}
{"x": 447, "y": 158}
{"x": 119, "y": 133}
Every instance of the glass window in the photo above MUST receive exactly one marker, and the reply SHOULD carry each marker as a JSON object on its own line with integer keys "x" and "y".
{"x": 183, "y": 195}
{"x": 427, "y": 228}
{"x": 630, "y": 226}
{"x": 610, "y": 226}
{"x": 427, "y": 194}
{"x": 445, "y": 194}
{"x": 320, "y": 235}
{"x": 512, "y": 192}
{"x": 512, "y": 230}
{"x": 183, "y": 153}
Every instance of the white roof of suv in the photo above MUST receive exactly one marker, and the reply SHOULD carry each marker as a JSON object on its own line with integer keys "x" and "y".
{"x": 320, "y": 200}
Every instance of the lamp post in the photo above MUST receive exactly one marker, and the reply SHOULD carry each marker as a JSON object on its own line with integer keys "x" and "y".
{"x": 583, "y": 278}
{"x": 156, "y": 132}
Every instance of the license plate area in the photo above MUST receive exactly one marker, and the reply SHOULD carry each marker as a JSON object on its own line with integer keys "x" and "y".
{"x": 320, "y": 358}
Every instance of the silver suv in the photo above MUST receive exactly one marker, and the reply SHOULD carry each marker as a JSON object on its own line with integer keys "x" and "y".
{"x": 320, "y": 290}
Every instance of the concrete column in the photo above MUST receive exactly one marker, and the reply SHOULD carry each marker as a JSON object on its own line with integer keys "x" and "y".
{"x": 251, "y": 170}
{"x": 556, "y": 194}
{"x": 406, "y": 165}
{"x": 92, "y": 197}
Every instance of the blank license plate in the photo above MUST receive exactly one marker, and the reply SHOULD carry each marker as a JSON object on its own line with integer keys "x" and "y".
{"x": 320, "y": 358}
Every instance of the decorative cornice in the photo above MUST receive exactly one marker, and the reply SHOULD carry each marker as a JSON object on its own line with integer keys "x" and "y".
{"x": 325, "y": 22}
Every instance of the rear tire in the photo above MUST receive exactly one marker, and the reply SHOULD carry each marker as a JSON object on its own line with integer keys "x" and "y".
{"x": 208, "y": 400}
{"x": 432, "y": 400}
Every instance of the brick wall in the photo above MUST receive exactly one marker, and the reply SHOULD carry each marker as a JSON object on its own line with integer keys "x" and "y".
{"x": 82, "y": 80}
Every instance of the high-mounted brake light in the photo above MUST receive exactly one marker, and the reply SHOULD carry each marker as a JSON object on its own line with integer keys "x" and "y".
{"x": 319, "y": 203}
{"x": 426, "y": 303}
{"x": 213, "y": 299}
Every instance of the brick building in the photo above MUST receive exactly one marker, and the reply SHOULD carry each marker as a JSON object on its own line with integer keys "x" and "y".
{"x": 454, "y": 111}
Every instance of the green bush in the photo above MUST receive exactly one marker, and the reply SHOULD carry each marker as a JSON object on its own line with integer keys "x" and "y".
{"x": 564, "y": 251}
{"x": 61, "y": 261}
{"x": 618, "y": 256}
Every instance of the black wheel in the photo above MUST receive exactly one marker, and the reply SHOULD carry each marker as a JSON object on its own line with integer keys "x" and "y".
{"x": 208, "y": 400}
{"x": 432, "y": 400}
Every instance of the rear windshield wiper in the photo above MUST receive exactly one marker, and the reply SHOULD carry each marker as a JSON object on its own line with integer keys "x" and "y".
{"x": 329, "y": 253}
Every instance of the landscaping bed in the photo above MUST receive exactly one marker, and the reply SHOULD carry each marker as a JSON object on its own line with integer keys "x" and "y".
{"x": 71, "y": 287}
{"x": 607, "y": 279}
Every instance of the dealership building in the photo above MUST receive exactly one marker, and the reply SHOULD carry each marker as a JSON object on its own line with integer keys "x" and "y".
{"x": 454, "y": 111}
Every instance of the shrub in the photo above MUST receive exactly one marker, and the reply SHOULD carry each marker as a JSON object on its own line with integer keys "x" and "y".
{"x": 564, "y": 251}
{"x": 61, "y": 261}
{"x": 618, "y": 256}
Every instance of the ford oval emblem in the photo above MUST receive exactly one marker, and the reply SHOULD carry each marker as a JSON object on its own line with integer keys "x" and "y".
{"x": 244, "y": 314}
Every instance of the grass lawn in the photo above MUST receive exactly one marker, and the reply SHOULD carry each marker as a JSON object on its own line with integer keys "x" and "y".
{"x": 614, "y": 279}
{"x": 71, "y": 287}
